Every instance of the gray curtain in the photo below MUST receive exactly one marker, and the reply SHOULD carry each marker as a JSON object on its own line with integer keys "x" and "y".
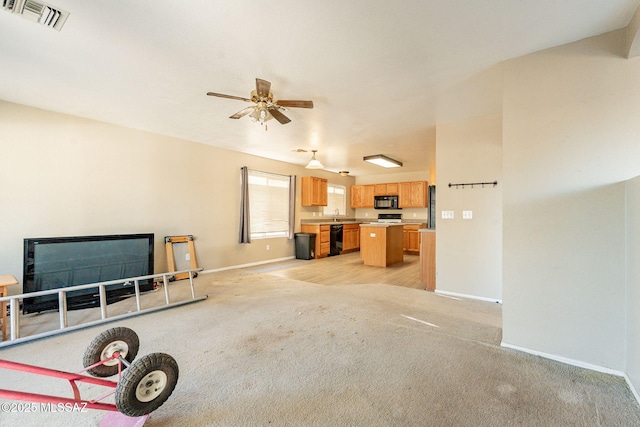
{"x": 245, "y": 231}
{"x": 292, "y": 204}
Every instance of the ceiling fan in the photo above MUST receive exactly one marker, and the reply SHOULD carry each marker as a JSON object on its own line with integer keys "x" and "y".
{"x": 265, "y": 107}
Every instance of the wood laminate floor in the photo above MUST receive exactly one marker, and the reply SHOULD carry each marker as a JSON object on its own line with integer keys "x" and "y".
{"x": 347, "y": 269}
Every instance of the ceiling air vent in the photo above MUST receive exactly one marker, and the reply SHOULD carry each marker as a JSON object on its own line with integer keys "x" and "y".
{"x": 8, "y": 4}
{"x": 34, "y": 11}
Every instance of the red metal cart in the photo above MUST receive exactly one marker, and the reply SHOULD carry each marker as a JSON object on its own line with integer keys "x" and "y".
{"x": 142, "y": 386}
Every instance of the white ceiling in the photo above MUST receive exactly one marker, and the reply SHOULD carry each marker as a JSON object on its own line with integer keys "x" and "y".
{"x": 373, "y": 69}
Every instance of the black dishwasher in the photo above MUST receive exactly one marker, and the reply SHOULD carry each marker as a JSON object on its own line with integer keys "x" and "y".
{"x": 335, "y": 240}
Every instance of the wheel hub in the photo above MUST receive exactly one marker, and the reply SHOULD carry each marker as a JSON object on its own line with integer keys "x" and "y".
{"x": 151, "y": 386}
{"x": 115, "y": 346}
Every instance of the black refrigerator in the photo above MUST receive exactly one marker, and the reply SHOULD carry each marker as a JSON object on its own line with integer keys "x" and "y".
{"x": 431, "y": 195}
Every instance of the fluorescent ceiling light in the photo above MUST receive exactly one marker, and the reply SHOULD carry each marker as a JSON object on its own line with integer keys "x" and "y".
{"x": 313, "y": 163}
{"x": 382, "y": 160}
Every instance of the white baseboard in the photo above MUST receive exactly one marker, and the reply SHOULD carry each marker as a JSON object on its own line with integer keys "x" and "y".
{"x": 577, "y": 363}
{"x": 252, "y": 264}
{"x": 454, "y": 294}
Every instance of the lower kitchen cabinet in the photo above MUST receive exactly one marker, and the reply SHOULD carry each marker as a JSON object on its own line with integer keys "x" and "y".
{"x": 323, "y": 237}
{"x": 411, "y": 238}
{"x": 351, "y": 237}
{"x": 428, "y": 259}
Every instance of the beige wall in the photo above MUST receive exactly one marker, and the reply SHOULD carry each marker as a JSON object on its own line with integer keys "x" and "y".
{"x": 570, "y": 137}
{"x": 559, "y": 130}
{"x": 68, "y": 176}
{"x": 633, "y": 281}
{"x": 468, "y": 251}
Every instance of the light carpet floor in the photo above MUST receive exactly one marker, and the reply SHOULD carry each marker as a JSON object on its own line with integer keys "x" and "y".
{"x": 264, "y": 350}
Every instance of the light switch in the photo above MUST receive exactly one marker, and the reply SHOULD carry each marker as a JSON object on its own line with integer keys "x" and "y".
{"x": 447, "y": 215}
{"x": 467, "y": 214}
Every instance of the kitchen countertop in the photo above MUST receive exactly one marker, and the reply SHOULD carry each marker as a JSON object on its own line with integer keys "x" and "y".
{"x": 331, "y": 222}
{"x": 357, "y": 221}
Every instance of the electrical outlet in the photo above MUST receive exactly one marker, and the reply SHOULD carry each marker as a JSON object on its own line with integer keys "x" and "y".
{"x": 467, "y": 214}
{"x": 366, "y": 214}
{"x": 268, "y": 247}
{"x": 414, "y": 214}
{"x": 314, "y": 214}
{"x": 187, "y": 257}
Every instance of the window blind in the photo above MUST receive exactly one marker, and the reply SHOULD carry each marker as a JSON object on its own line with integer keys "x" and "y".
{"x": 268, "y": 204}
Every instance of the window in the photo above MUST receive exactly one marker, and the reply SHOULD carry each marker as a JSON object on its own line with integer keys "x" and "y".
{"x": 268, "y": 205}
{"x": 336, "y": 200}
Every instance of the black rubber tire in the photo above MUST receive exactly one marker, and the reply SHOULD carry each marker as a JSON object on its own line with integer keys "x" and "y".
{"x": 120, "y": 339}
{"x": 154, "y": 376}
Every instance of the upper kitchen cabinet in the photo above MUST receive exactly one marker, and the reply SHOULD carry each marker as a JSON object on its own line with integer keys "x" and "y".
{"x": 314, "y": 191}
{"x": 390, "y": 189}
{"x": 413, "y": 194}
{"x": 362, "y": 196}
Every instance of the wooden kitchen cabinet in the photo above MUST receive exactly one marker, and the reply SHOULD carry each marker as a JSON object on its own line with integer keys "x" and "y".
{"x": 350, "y": 237}
{"x": 362, "y": 196}
{"x": 413, "y": 194}
{"x": 323, "y": 238}
{"x": 314, "y": 191}
{"x": 388, "y": 189}
{"x": 428, "y": 259}
{"x": 411, "y": 238}
{"x": 325, "y": 241}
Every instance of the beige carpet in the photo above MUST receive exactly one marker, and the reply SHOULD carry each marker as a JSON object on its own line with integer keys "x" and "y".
{"x": 264, "y": 350}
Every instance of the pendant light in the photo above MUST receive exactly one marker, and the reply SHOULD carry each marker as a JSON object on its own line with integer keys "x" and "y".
{"x": 314, "y": 163}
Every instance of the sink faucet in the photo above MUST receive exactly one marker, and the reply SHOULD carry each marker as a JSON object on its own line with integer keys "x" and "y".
{"x": 335, "y": 217}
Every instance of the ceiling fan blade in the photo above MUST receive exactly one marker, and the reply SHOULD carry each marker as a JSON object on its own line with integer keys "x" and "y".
{"x": 242, "y": 113}
{"x": 295, "y": 103}
{"x": 263, "y": 88}
{"x": 279, "y": 116}
{"x": 228, "y": 96}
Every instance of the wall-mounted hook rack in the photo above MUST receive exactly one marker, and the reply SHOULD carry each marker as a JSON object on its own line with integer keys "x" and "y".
{"x": 494, "y": 183}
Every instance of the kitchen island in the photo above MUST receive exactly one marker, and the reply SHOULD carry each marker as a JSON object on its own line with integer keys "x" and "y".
{"x": 381, "y": 244}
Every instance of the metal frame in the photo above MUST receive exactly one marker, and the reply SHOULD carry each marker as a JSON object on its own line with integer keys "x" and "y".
{"x": 14, "y": 301}
{"x": 71, "y": 377}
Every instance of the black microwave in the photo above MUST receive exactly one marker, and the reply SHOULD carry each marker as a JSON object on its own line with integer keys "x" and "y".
{"x": 385, "y": 202}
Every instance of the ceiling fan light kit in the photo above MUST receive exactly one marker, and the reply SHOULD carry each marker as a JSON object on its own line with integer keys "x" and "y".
{"x": 344, "y": 173}
{"x": 314, "y": 163}
{"x": 261, "y": 115}
{"x": 266, "y": 108}
{"x": 382, "y": 160}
